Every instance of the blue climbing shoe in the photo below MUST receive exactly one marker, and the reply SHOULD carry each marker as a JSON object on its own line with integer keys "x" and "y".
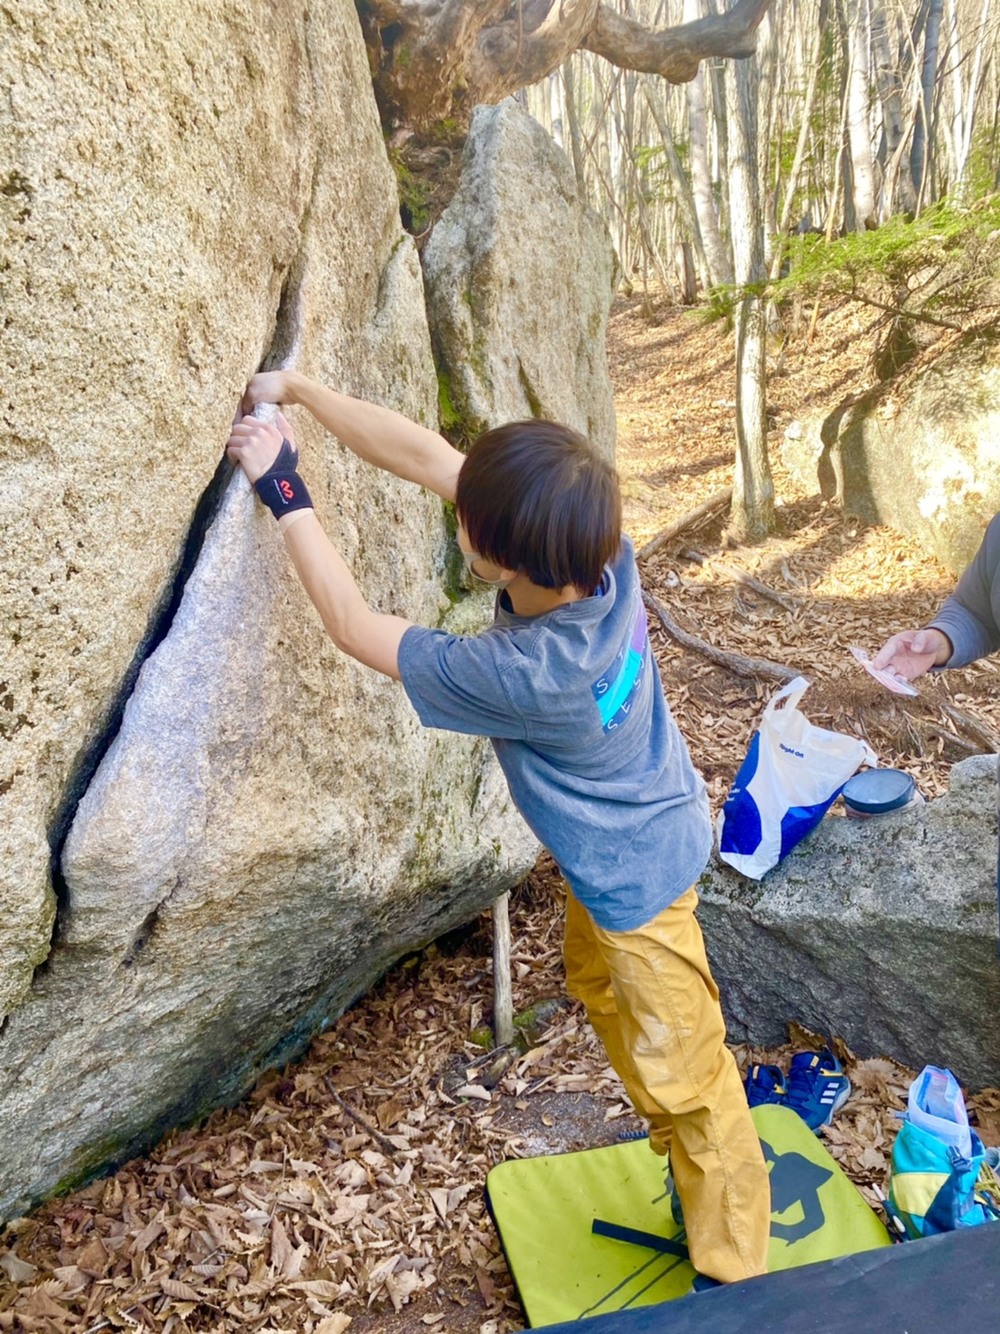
{"x": 630, "y": 1136}
{"x": 817, "y": 1087}
{"x": 764, "y": 1083}
{"x": 702, "y": 1283}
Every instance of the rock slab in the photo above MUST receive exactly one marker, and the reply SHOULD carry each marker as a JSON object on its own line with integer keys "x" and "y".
{"x": 880, "y": 931}
{"x": 920, "y": 453}
{"x": 217, "y": 831}
{"x": 520, "y": 276}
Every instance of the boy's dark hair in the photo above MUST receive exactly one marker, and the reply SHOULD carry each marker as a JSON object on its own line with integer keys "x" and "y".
{"x": 537, "y": 497}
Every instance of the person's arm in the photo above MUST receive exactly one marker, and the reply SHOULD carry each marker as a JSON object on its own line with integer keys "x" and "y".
{"x": 376, "y": 434}
{"x": 963, "y": 630}
{"x": 969, "y": 616}
{"x": 364, "y": 634}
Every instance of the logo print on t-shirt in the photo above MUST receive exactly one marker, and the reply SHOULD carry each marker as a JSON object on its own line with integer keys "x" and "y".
{"x": 615, "y": 690}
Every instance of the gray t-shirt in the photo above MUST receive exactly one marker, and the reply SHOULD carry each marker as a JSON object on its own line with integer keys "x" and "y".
{"x": 573, "y": 703}
{"x": 971, "y": 616}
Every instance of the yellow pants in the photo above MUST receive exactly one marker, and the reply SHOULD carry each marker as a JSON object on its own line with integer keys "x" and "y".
{"x": 651, "y": 998}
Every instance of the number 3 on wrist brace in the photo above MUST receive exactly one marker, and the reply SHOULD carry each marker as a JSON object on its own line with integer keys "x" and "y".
{"x": 281, "y": 488}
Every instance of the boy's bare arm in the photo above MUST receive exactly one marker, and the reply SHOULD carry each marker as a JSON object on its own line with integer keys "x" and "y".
{"x": 364, "y": 634}
{"x": 352, "y": 625}
{"x": 376, "y": 434}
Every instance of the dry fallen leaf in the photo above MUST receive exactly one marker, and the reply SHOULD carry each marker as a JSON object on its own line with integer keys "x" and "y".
{"x": 333, "y": 1324}
{"x": 473, "y": 1091}
{"x": 17, "y": 1270}
{"x": 182, "y": 1291}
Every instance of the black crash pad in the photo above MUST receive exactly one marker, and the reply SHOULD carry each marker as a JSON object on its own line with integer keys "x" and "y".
{"x": 934, "y": 1286}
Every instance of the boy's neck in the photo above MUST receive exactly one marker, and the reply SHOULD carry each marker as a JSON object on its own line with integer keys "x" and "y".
{"x": 530, "y": 599}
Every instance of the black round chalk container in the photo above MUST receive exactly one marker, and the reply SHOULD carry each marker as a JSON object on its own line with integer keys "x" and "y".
{"x": 879, "y": 791}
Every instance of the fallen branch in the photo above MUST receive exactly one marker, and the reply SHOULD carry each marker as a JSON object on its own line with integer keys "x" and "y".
{"x": 788, "y": 601}
{"x": 973, "y": 727}
{"x": 355, "y": 1115}
{"x": 923, "y": 730}
{"x": 694, "y": 516}
{"x": 737, "y": 663}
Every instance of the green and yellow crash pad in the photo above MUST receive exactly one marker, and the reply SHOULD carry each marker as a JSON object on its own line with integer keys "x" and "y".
{"x": 545, "y": 1211}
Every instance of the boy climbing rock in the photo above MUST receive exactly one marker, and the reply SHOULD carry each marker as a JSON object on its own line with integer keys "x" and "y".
{"x": 565, "y": 685}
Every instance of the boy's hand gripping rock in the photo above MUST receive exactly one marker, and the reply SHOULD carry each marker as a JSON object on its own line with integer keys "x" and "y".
{"x": 268, "y": 456}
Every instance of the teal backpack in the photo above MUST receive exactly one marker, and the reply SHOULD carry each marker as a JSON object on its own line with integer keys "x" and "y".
{"x": 940, "y": 1180}
{"x": 934, "y": 1189}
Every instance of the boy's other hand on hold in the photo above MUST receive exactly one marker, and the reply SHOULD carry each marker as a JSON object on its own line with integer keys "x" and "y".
{"x": 255, "y": 444}
{"x": 269, "y": 387}
{"x": 912, "y": 652}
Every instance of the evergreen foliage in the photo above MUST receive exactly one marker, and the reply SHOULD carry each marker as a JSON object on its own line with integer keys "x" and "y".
{"x": 941, "y": 267}
{"x": 944, "y": 262}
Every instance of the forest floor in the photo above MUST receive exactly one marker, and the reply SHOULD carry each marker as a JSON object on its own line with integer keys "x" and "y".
{"x": 347, "y": 1191}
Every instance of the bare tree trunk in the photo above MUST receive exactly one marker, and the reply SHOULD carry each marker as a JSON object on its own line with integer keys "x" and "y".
{"x": 686, "y": 272}
{"x": 557, "y": 119}
{"x": 717, "y": 261}
{"x": 573, "y": 121}
{"x": 753, "y": 488}
{"x": 964, "y": 97}
{"x": 608, "y": 156}
{"x": 859, "y": 180}
{"x": 923, "y": 131}
{"x": 678, "y": 176}
{"x": 619, "y": 228}
{"x": 840, "y": 177}
{"x": 976, "y": 82}
{"x": 891, "y": 67}
{"x": 720, "y": 142}
{"x": 624, "y": 113}
{"x": 767, "y": 64}
{"x": 792, "y": 184}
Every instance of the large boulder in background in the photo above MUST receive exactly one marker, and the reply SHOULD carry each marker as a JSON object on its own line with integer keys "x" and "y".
{"x": 920, "y": 453}
{"x": 188, "y": 191}
{"x": 520, "y": 275}
{"x": 881, "y": 931}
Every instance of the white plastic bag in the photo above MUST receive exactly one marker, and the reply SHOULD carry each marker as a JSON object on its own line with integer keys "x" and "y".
{"x": 792, "y": 774}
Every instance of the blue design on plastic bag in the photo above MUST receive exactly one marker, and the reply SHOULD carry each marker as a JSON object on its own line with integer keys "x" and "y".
{"x": 742, "y": 830}
{"x": 792, "y": 775}
{"x": 798, "y": 821}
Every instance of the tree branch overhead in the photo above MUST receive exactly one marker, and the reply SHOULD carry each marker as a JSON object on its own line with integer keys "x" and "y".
{"x": 434, "y": 60}
{"x": 675, "y": 53}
